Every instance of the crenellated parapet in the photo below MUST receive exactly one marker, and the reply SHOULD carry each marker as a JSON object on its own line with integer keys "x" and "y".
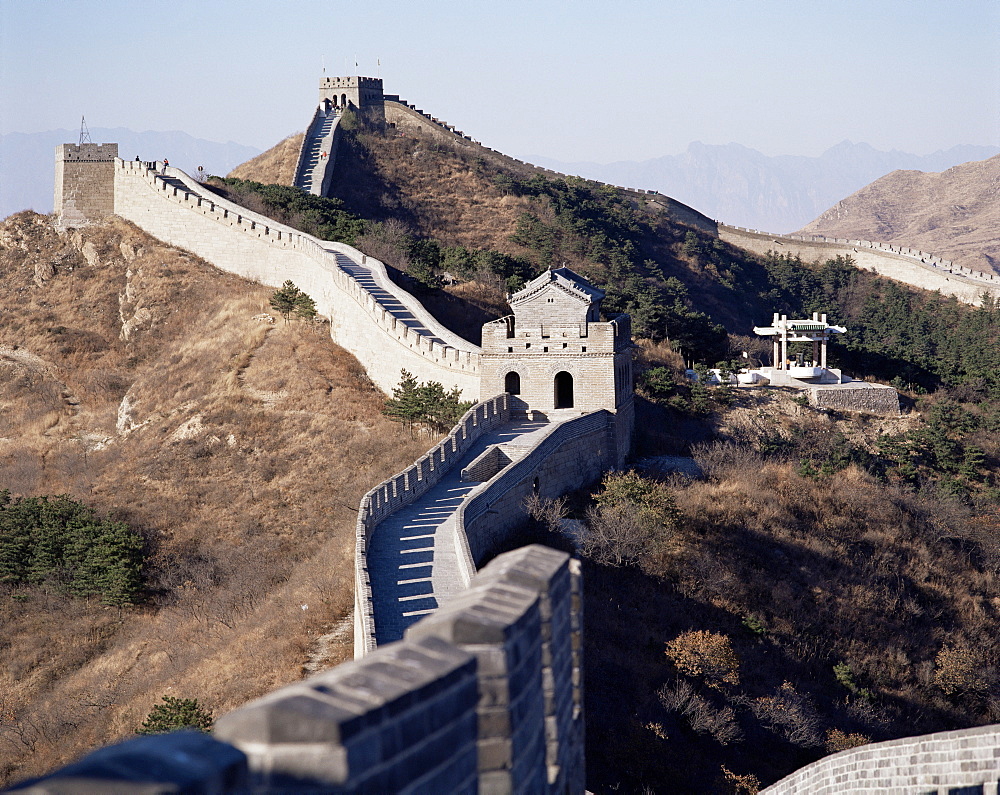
{"x": 353, "y": 290}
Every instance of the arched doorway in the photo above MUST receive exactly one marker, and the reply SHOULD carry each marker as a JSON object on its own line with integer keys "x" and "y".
{"x": 512, "y": 383}
{"x": 564, "y": 390}
{"x": 343, "y": 101}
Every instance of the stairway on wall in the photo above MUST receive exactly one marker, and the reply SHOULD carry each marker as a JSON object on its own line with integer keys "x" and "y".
{"x": 412, "y": 554}
{"x": 400, "y": 305}
{"x": 311, "y": 169}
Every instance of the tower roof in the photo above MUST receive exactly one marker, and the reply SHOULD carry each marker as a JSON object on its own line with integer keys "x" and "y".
{"x": 572, "y": 283}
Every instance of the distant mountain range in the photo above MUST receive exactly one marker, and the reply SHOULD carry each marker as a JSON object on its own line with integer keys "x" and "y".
{"x": 744, "y": 187}
{"x": 954, "y": 214}
{"x": 27, "y": 160}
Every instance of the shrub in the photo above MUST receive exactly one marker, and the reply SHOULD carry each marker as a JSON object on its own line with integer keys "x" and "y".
{"x": 426, "y": 402}
{"x": 290, "y": 298}
{"x": 632, "y": 522}
{"x": 958, "y": 670}
{"x": 700, "y": 714}
{"x": 174, "y": 714}
{"x": 707, "y": 655}
{"x": 836, "y": 740}
{"x": 62, "y": 542}
{"x": 792, "y": 715}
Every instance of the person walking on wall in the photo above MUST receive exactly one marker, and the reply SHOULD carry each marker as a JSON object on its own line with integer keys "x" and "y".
{"x": 166, "y": 165}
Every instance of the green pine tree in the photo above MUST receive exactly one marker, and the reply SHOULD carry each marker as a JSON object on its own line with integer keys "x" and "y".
{"x": 176, "y": 713}
{"x": 286, "y": 299}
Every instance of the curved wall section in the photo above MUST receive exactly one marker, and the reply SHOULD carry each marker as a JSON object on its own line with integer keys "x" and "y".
{"x": 965, "y": 761}
{"x": 382, "y": 325}
{"x": 916, "y": 268}
{"x": 404, "y": 488}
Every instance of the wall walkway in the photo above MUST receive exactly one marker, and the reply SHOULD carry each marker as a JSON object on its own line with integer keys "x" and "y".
{"x": 418, "y": 556}
{"x": 385, "y": 327}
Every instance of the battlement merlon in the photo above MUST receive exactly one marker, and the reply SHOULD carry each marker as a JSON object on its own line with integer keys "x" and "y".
{"x": 87, "y": 153}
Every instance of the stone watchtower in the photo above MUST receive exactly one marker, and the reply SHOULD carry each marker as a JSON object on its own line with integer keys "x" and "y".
{"x": 358, "y": 93}
{"x": 556, "y": 353}
{"x": 85, "y": 183}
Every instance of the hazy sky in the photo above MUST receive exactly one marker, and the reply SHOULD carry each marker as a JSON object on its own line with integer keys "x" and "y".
{"x": 601, "y": 81}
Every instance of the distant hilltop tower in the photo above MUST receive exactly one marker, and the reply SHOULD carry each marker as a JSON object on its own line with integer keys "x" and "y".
{"x": 363, "y": 94}
{"x": 85, "y": 183}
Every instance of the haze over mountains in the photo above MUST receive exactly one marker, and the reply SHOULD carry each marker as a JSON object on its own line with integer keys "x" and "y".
{"x": 27, "y": 160}
{"x": 744, "y": 187}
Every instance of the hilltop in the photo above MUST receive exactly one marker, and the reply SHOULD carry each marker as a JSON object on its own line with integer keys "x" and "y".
{"x": 953, "y": 214}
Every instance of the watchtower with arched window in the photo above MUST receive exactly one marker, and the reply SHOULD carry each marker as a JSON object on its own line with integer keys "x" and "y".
{"x": 355, "y": 93}
{"x": 557, "y": 352}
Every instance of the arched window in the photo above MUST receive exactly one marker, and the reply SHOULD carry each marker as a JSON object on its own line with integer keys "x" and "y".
{"x": 512, "y": 383}
{"x": 564, "y": 390}
{"x": 343, "y": 100}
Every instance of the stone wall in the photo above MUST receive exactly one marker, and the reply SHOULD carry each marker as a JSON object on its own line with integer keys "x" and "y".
{"x": 84, "y": 184}
{"x": 404, "y": 488}
{"x": 871, "y": 398}
{"x": 175, "y": 209}
{"x": 916, "y": 268}
{"x": 573, "y": 455}
{"x": 965, "y": 761}
{"x": 482, "y": 696}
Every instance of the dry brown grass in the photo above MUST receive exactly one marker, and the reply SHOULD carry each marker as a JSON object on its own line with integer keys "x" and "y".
{"x": 276, "y": 166}
{"x": 801, "y": 574}
{"x": 453, "y": 199}
{"x": 243, "y": 455}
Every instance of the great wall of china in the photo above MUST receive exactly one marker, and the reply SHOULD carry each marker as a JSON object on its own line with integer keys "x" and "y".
{"x": 465, "y": 679}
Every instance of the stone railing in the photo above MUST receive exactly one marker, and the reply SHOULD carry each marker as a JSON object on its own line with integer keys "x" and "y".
{"x": 479, "y": 696}
{"x": 404, "y": 488}
{"x": 963, "y": 761}
{"x": 304, "y": 146}
{"x": 573, "y": 455}
{"x": 315, "y": 176}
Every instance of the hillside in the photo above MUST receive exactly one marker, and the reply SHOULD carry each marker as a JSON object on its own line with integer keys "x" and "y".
{"x": 954, "y": 214}
{"x": 275, "y": 166}
{"x": 138, "y": 380}
{"x": 845, "y": 569}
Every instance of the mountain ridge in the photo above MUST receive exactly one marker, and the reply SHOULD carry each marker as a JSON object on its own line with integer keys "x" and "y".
{"x": 953, "y": 213}
{"x": 744, "y": 187}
